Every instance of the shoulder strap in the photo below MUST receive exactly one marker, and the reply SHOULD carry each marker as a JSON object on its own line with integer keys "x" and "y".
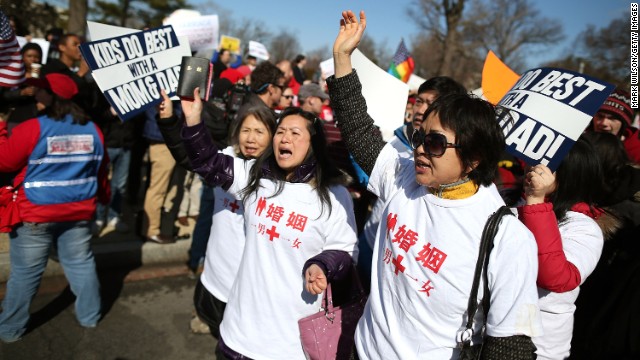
{"x": 486, "y": 245}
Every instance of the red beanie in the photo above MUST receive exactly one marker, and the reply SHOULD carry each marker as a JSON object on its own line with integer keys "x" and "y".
{"x": 619, "y": 104}
{"x": 62, "y": 85}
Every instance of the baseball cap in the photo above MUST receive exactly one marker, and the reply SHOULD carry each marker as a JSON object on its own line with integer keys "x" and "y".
{"x": 312, "y": 89}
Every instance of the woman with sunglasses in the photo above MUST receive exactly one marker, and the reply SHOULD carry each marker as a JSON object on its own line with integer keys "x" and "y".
{"x": 286, "y": 99}
{"x": 299, "y": 227}
{"x": 428, "y": 241}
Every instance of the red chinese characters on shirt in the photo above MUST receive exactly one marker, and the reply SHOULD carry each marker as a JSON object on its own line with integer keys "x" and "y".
{"x": 262, "y": 204}
{"x": 405, "y": 237}
{"x": 297, "y": 221}
{"x": 275, "y": 212}
{"x": 431, "y": 258}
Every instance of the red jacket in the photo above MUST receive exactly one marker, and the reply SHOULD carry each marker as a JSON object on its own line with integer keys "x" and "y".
{"x": 14, "y": 156}
{"x": 632, "y": 143}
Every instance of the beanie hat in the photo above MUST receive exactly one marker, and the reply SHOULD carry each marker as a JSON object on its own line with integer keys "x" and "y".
{"x": 619, "y": 105}
{"x": 232, "y": 75}
{"x": 60, "y": 84}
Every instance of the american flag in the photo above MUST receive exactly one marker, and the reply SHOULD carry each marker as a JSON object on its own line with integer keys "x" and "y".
{"x": 11, "y": 67}
{"x": 402, "y": 54}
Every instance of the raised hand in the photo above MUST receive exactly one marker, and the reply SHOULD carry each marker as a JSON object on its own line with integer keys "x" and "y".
{"x": 192, "y": 109}
{"x": 349, "y": 36}
{"x": 316, "y": 280}
{"x": 539, "y": 182}
{"x": 165, "y": 109}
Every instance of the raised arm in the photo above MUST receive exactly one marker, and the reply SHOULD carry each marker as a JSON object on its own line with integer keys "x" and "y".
{"x": 362, "y": 138}
{"x": 555, "y": 272}
{"x": 215, "y": 167}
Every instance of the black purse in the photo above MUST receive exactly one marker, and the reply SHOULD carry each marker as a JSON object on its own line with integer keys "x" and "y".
{"x": 469, "y": 352}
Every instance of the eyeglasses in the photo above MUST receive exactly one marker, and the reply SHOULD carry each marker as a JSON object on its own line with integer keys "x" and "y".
{"x": 288, "y": 97}
{"x": 434, "y": 144}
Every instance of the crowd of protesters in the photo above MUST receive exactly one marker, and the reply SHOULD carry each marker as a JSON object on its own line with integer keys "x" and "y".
{"x": 290, "y": 187}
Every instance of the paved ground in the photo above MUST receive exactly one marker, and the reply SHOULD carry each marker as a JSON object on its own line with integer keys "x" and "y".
{"x": 147, "y": 317}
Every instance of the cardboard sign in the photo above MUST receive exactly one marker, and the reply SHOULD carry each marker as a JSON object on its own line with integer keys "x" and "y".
{"x": 202, "y": 31}
{"x": 230, "y": 43}
{"x": 131, "y": 69}
{"x": 258, "y": 50}
{"x": 549, "y": 108}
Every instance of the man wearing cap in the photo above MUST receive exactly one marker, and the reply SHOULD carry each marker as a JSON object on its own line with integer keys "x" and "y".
{"x": 62, "y": 173}
{"x": 615, "y": 117}
{"x": 311, "y": 98}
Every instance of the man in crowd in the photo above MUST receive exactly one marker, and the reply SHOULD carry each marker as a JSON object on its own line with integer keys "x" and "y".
{"x": 615, "y": 117}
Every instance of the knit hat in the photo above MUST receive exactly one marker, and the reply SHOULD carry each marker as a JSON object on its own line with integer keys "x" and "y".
{"x": 619, "y": 105}
{"x": 232, "y": 75}
{"x": 60, "y": 84}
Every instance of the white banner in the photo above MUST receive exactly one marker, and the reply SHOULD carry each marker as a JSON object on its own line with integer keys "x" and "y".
{"x": 258, "y": 50}
{"x": 201, "y": 31}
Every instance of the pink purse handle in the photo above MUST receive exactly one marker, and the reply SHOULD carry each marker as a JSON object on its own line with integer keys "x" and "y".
{"x": 327, "y": 299}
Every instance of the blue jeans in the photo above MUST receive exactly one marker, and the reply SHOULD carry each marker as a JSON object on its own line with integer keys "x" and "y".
{"x": 29, "y": 252}
{"x": 202, "y": 228}
{"x": 120, "y": 159}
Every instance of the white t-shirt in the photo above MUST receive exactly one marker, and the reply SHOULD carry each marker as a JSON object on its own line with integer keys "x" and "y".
{"x": 282, "y": 233}
{"x": 425, "y": 257}
{"x": 582, "y": 242}
{"x": 371, "y": 226}
{"x": 226, "y": 242}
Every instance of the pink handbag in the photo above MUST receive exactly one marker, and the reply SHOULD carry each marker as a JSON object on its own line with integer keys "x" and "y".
{"x": 329, "y": 334}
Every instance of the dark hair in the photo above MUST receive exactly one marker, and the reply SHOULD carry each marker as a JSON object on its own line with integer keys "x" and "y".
{"x": 262, "y": 113}
{"x": 64, "y": 38}
{"x": 481, "y": 140}
{"x": 265, "y": 73}
{"x": 443, "y": 85}
{"x": 614, "y": 161}
{"x": 298, "y": 59}
{"x": 60, "y": 108}
{"x": 325, "y": 173}
{"x": 578, "y": 179}
{"x": 31, "y": 46}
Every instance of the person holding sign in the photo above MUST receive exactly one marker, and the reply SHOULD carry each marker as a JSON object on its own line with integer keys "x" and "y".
{"x": 436, "y": 208}
{"x": 615, "y": 117}
{"x": 62, "y": 173}
{"x": 299, "y": 227}
{"x": 569, "y": 239}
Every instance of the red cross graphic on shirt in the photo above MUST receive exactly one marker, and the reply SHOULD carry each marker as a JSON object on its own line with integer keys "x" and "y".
{"x": 272, "y": 233}
{"x": 234, "y": 206}
{"x": 398, "y": 264}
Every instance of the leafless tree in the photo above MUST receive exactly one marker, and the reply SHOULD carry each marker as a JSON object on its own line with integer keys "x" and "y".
{"x": 512, "y": 29}
{"x": 284, "y": 46}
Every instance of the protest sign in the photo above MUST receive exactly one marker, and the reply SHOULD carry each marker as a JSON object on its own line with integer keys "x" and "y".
{"x": 386, "y": 95}
{"x": 230, "y": 43}
{"x": 497, "y": 78}
{"x": 258, "y": 50}
{"x": 202, "y": 31}
{"x": 549, "y": 109}
{"x": 130, "y": 69}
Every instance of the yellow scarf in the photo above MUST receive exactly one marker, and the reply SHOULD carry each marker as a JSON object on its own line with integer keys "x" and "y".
{"x": 461, "y": 189}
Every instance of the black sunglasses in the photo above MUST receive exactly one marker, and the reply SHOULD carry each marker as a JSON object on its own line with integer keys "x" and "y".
{"x": 434, "y": 144}
{"x": 288, "y": 96}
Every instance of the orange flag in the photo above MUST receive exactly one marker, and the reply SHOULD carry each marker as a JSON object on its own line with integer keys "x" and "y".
{"x": 497, "y": 78}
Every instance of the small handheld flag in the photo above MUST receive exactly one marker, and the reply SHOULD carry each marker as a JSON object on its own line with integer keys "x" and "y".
{"x": 402, "y": 63}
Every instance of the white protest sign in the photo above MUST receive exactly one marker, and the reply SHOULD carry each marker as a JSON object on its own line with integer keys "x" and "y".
{"x": 202, "y": 31}
{"x": 258, "y": 50}
{"x": 326, "y": 68}
{"x": 549, "y": 109}
{"x": 386, "y": 95}
{"x": 131, "y": 68}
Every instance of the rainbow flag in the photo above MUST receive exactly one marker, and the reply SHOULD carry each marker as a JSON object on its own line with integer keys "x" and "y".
{"x": 402, "y": 63}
